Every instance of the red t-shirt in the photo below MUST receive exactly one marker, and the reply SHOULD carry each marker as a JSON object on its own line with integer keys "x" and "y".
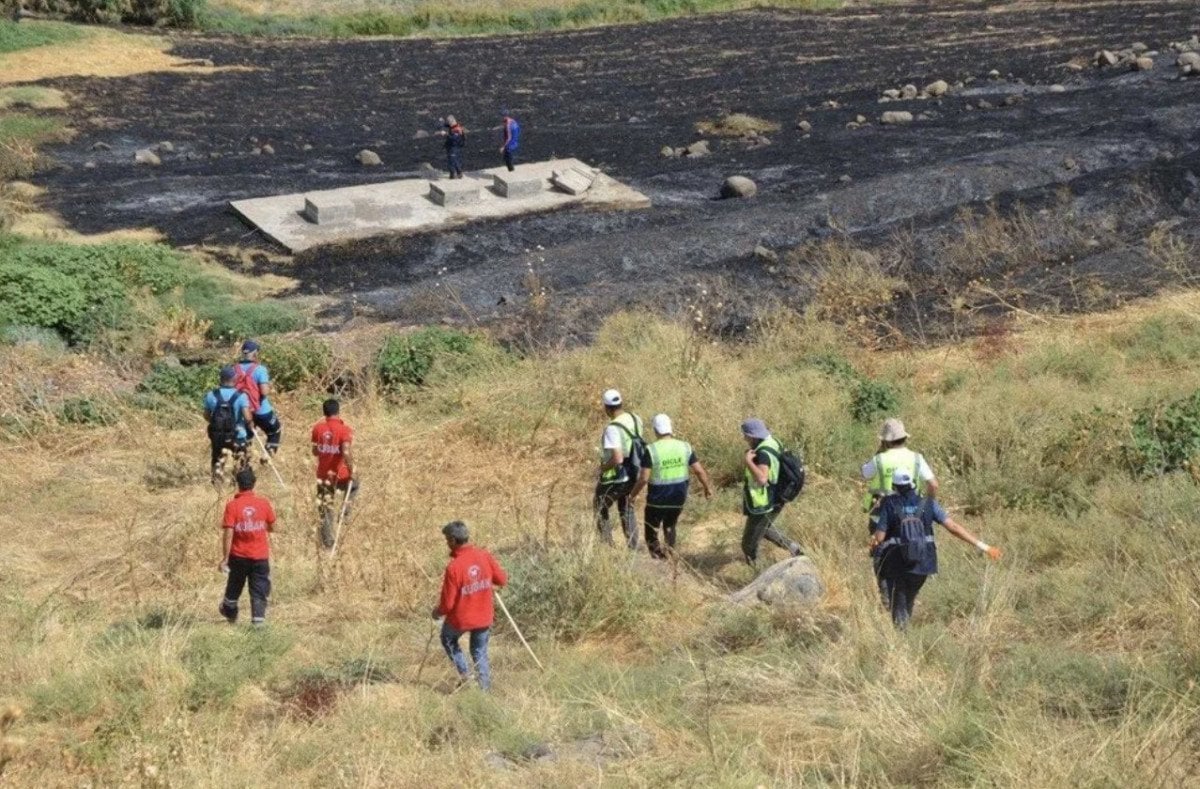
{"x": 328, "y": 436}
{"x": 251, "y": 517}
{"x": 467, "y": 588}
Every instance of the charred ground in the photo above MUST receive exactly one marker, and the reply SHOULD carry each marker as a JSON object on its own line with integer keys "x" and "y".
{"x": 1113, "y": 149}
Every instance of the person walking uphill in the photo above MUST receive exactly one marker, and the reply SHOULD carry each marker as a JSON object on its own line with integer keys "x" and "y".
{"x": 227, "y": 412}
{"x": 332, "y": 441}
{"x": 467, "y": 602}
{"x": 904, "y": 548}
{"x": 246, "y": 532}
{"x": 760, "y": 503}
{"x": 512, "y": 140}
{"x": 621, "y": 455}
{"x": 665, "y": 474}
{"x": 456, "y": 140}
{"x": 255, "y": 381}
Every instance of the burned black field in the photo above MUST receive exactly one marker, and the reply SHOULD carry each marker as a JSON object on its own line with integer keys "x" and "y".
{"x": 1102, "y": 157}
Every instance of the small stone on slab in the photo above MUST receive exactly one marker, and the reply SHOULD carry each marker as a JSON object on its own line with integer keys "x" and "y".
{"x": 454, "y": 193}
{"x": 327, "y": 210}
{"x": 514, "y": 185}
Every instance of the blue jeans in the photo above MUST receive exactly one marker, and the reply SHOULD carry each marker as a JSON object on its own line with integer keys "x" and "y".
{"x": 479, "y": 653}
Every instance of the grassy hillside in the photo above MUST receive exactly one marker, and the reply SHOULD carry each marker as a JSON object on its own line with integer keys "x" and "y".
{"x": 1081, "y": 646}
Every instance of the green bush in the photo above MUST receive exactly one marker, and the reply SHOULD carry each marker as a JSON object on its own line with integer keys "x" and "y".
{"x": 180, "y": 383}
{"x": 15, "y": 37}
{"x": 294, "y": 363}
{"x": 1166, "y": 437}
{"x": 870, "y": 399}
{"x": 88, "y": 411}
{"x": 235, "y": 320}
{"x": 171, "y": 13}
{"x": 408, "y": 359}
{"x": 220, "y": 661}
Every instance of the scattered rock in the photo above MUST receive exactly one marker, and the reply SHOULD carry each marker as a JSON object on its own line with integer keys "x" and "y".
{"x": 804, "y": 126}
{"x": 909, "y": 92}
{"x": 306, "y": 147}
{"x": 89, "y": 165}
{"x": 1057, "y": 88}
{"x": 896, "y": 117}
{"x": 697, "y": 150}
{"x": 892, "y": 93}
{"x": 791, "y": 582}
{"x": 845, "y": 179}
{"x": 738, "y": 186}
{"x": 368, "y": 158}
{"x": 667, "y": 152}
{"x": 101, "y": 146}
{"x": 1106, "y": 57}
{"x": 860, "y": 119}
{"x": 984, "y": 104}
{"x": 268, "y": 149}
{"x": 766, "y": 254}
{"x": 937, "y": 88}
{"x": 634, "y": 119}
{"x": 1143, "y": 64}
{"x": 852, "y": 125}
{"x": 1188, "y": 63}
{"x": 831, "y": 104}
{"x": 147, "y": 157}
{"x": 993, "y": 74}
{"x": 1138, "y": 48}
{"x": 1069, "y": 163}
{"x": 1011, "y": 99}
{"x": 256, "y": 151}
{"x": 420, "y": 134}
{"x": 1074, "y": 67}
{"x": 165, "y": 147}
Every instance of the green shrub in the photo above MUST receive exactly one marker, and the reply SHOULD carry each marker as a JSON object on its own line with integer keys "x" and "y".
{"x": 1166, "y": 437}
{"x": 15, "y": 37}
{"x": 179, "y": 382}
{"x": 171, "y": 13}
{"x": 1169, "y": 340}
{"x": 408, "y": 359}
{"x": 870, "y": 399}
{"x": 1075, "y": 685}
{"x": 294, "y": 363}
{"x": 220, "y": 661}
{"x": 88, "y": 411}
{"x": 232, "y": 320}
{"x": 572, "y": 594}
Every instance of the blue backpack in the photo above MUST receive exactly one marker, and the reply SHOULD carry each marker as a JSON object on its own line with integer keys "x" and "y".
{"x": 913, "y": 544}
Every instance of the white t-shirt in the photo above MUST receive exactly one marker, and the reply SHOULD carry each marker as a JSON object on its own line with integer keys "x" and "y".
{"x": 924, "y": 471}
{"x": 612, "y": 438}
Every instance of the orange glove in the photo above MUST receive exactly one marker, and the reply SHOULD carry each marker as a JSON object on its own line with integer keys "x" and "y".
{"x": 994, "y": 553}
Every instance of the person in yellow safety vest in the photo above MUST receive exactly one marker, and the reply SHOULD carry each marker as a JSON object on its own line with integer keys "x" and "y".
{"x": 665, "y": 473}
{"x": 894, "y": 454}
{"x": 621, "y": 452}
{"x": 759, "y": 501}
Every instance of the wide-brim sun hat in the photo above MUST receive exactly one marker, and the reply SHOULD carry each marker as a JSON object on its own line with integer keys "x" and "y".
{"x": 892, "y": 430}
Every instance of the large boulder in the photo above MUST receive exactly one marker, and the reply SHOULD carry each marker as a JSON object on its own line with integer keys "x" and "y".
{"x": 738, "y": 186}
{"x": 937, "y": 88}
{"x": 1189, "y": 63}
{"x": 368, "y": 158}
{"x": 147, "y": 157}
{"x": 792, "y": 582}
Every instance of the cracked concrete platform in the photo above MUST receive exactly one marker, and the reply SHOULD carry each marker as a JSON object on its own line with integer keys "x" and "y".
{"x": 405, "y": 206}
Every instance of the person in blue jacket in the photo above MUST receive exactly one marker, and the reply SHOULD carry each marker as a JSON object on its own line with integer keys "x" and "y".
{"x": 252, "y": 378}
{"x": 512, "y": 139}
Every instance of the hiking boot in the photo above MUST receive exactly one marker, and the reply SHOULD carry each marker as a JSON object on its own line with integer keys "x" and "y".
{"x": 795, "y": 550}
{"x": 230, "y": 612}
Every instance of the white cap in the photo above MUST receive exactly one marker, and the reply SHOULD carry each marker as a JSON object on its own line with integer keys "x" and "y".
{"x": 612, "y": 397}
{"x": 902, "y": 478}
{"x": 662, "y": 424}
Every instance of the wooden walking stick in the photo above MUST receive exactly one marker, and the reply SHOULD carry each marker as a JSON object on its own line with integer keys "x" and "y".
{"x": 504, "y": 608}
{"x": 270, "y": 461}
{"x": 337, "y": 530}
{"x": 428, "y": 644}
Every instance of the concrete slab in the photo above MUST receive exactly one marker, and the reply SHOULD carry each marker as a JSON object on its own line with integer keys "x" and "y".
{"x": 326, "y": 209}
{"x": 404, "y": 206}
{"x": 454, "y": 194}
{"x": 514, "y": 186}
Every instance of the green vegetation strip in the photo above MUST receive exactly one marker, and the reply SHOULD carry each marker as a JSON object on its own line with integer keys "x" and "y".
{"x": 27, "y": 35}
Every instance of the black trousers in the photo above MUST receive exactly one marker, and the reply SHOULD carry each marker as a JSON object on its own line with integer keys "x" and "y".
{"x": 236, "y": 449}
{"x": 258, "y": 573}
{"x": 510, "y": 160}
{"x": 608, "y": 494}
{"x": 899, "y": 594}
{"x": 269, "y": 424}
{"x": 762, "y": 527}
{"x": 454, "y": 162}
{"x": 329, "y": 509}
{"x": 665, "y": 518}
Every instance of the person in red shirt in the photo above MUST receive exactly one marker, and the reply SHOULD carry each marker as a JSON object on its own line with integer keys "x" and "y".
{"x": 331, "y": 446}
{"x": 246, "y": 549}
{"x": 467, "y": 602}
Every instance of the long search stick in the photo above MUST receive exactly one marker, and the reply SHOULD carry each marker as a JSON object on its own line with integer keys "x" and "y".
{"x": 504, "y": 608}
{"x": 337, "y": 531}
{"x": 270, "y": 461}
{"x": 428, "y": 644}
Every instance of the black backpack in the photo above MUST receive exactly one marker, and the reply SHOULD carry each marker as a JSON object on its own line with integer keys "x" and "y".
{"x": 637, "y": 449}
{"x": 791, "y": 476}
{"x": 912, "y": 543}
{"x": 222, "y": 425}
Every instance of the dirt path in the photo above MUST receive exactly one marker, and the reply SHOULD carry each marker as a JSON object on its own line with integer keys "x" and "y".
{"x": 614, "y": 97}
